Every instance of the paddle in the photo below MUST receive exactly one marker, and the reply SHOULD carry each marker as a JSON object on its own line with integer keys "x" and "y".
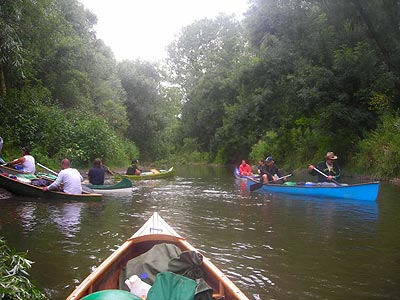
{"x": 109, "y": 170}
{"x": 322, "y": 173}
{"x": 258, "y": 185}
{"x": 46, "y": 168}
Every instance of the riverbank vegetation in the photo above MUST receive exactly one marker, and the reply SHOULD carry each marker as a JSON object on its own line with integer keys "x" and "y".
{"x": 292, "y": 79}
{"x": 14, "y": 281}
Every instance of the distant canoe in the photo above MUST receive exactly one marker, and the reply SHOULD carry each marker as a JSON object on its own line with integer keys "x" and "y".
{"x": 363, "y": 191}
{"x": 156, "y": 174}
{"x": 125, "y": 183}
{"x": 24, "y": 188}
{"x": 105, "y": 278}
{"x": 237, "y": 174}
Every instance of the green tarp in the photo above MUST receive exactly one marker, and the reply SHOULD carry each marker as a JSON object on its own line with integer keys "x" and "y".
{"x": 171, "y": 286}
{"x": 167, "y": 258}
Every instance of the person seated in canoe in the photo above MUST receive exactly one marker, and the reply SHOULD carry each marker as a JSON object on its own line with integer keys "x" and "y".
{"x": 69, "y": 177}
{"x": 26, "y": 163}
{"x": 329, "y": 167}
{"x": 245, "y": 169}
{"x": 260, "y": 164}
{"x": 133, "y": 169}
{"x": 270, "y": 172}
{"x": 96, "y": 174}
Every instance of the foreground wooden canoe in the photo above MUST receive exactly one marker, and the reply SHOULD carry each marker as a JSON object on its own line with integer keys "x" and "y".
{"x": 152, "y": 175}
{"x": 154, "y": 231}
{"x": 125, "y": 183}
{"x": 22, "y": 188}
{"x": 363, "y": 191}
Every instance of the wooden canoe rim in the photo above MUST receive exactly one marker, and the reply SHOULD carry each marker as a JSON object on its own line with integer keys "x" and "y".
{"x": 106, "y": 276}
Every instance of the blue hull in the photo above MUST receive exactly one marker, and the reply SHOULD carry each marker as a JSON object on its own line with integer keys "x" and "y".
{"x": 363, "y": 191}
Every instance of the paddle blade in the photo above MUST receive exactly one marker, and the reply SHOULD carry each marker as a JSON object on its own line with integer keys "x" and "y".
{"x": 256, "y": 186}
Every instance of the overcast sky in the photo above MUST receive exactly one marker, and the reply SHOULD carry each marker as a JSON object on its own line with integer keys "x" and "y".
{"x": 143, "y": 28}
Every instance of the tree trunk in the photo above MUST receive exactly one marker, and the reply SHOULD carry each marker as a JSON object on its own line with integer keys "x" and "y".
{"x": 3, "y": 87}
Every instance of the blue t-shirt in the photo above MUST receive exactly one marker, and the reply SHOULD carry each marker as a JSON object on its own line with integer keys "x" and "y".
{"x": 96, "y": 176}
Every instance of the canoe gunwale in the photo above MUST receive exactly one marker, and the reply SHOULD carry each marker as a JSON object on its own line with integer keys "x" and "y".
{"x": 222, "y": 286}
{"x": 9, "y": 170}
{"x": 29, "y": 190}
{"x": 124, "y": 183}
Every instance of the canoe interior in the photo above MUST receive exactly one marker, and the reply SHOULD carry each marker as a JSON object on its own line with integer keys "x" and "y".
{"x": 10, "y": 170}
{"x": 106, "y": 276}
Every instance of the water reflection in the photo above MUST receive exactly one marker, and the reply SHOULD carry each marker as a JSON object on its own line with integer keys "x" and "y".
{"x": 271, "y": 246}
{"x": 26, "y": 214}
{"x": 67, "y": 216}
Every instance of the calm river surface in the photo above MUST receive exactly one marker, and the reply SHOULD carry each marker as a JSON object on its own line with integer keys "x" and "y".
{"x": 272, "y": 247}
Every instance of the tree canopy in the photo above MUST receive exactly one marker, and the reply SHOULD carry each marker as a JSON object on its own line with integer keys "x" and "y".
{"x": 292, "y": 79}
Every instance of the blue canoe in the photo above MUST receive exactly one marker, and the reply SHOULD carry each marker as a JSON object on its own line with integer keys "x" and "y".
{"x": 363, "y": 191}
{"x": 237, "y": 175}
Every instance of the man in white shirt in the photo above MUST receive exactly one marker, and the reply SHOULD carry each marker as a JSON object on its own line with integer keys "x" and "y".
{"x": 69, "y": 177}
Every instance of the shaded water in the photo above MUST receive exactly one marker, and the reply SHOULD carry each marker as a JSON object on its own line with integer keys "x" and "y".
{"x": 272, "y": 247}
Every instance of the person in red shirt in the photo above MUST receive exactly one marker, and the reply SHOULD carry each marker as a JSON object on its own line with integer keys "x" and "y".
{"x": 245, "y": 169}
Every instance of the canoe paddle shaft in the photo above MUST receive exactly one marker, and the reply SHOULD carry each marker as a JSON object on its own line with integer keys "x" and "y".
{"x": 258, "y": 185}
{"x": 46, "y": 168}
{"x": 322, "y": 173}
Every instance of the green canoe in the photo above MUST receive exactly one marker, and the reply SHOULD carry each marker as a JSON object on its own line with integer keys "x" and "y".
{"x": 123, "y": 184}
{"x": 154, "y": 174}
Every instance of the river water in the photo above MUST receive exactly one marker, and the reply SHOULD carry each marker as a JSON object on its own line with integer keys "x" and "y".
{"x": 272, "y": 247}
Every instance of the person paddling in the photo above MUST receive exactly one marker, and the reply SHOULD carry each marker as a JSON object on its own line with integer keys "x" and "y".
{"x": 96, "y": 174}
{"x": 69, "y": 177}
{"x": 270, "y": 172}
{"x": 133, "y": 169}
{"x": 26, "y": 163}
{"x": 329, "y": 167}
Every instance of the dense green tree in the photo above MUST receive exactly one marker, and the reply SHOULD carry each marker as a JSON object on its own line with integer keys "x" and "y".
{"x": 294, "y": 79}
{"x": 204, "y": 60}
{"x": 64, "y": 66}
{"x": 142, "y": 84}
{"x": 11, "y": 48}
{"x": 314, "y": 63}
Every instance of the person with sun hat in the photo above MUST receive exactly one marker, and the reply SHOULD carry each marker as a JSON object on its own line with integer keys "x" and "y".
{"x": 329, "y": 167}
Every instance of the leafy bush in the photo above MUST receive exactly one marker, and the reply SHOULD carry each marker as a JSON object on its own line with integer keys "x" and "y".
{"x": 267, "y": 146}
{"x": 14, "y": 281}
{"x": 380, "y": 150}
{"x": 189, "y": 153}
{"x": 29, "y": 119}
